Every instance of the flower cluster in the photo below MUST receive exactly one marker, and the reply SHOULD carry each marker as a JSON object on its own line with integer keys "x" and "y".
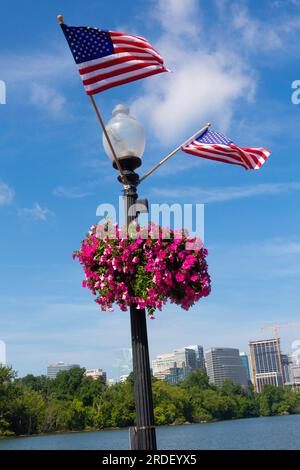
{"x": 146, "y": 270}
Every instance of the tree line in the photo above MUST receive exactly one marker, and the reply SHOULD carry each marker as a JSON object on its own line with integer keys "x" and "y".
{"x": 74, "y": 402}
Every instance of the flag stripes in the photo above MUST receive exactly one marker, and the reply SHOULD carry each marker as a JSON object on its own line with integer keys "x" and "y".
{"x": 214, "y": 146}
{"x": 107, "y": 58}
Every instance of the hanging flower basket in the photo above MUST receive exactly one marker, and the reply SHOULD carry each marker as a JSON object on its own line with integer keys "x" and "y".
{"x": 145, "y": 268}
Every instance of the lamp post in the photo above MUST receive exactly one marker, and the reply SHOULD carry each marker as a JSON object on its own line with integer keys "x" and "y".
{"x": 128, "y": 140}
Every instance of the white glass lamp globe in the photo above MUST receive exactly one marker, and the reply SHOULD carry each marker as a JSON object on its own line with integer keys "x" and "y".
{"x": 127, "y": 136}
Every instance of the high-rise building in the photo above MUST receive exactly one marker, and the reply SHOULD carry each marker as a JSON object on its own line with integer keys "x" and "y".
{"x": 123, "y": 378}
{"x": 176, "y": 375}
{"x": 162, "y": 364}
{"x": 245, "y": 362}
{"x": 53, "y": 369}
{"x": 95, "y": 374}
{"x": 286, "y": 368}
{"x": 266, "y": 363}
{"x": 225, "y": 363}
{"x": 185, "y": 357}
{"x": 200, "y": 361}
{"x": 174, "y": 367}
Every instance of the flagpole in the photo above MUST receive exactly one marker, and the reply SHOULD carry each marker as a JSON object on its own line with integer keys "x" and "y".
{"x": 108, "y": 139}
{"x": 123, "y": 176}
{"x": 200, "y": 132}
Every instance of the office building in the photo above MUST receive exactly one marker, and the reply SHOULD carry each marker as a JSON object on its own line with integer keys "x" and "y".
{"x": 266, "y": 363}
{"x": 54, "y": 369}
{"x": 174, "y": 367}
{"x": 223, "y": 364}
{"x": 245, "y": 362}
{"x": 286, "y": 368}
{"x": 200, "y": 361}
{"x": 95, "y": 374}
{"x": 162, "y": 364}
{"x": 176, "y": 375}
{"x": 123, "y": 378}
{"x": 185, "y": 357}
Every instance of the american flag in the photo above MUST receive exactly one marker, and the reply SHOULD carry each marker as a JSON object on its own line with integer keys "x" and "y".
{"x": 215, "y": 146}
{"x": 106, "y": 59}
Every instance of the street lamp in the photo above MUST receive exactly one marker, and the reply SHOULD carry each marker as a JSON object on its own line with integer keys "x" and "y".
{"x": 128, "y": 140}
{"x": 127, "y": 136}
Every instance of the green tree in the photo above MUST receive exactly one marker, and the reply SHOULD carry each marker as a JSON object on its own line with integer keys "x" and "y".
{"x": 78, "y": 415}
{"x": 27, "y": 412}
{"x": 66, "y": 384}
{"x": 90, "y": 389}
{"x": 37, "y": 383}
{"x": 73, "y": 401}
{"x": 172, "y": 400}
{"x": 196, "y": 380}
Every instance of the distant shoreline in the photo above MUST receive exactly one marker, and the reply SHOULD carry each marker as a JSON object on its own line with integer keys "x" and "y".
{"x": 90, "y": 430}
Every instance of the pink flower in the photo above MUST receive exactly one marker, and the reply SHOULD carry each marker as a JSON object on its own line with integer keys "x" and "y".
{"x": 136, "y": 270}
{"x": 179, "y": 277}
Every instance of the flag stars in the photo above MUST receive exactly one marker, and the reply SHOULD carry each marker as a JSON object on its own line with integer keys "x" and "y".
{"x": 88, "y": 43}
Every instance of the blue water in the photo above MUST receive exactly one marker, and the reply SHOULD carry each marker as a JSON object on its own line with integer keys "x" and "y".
{"x": 279, "y": 432}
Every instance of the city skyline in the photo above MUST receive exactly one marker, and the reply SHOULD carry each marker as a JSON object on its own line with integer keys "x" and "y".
{"x": 54, "y": 173}
{"x": 123, "y": 368}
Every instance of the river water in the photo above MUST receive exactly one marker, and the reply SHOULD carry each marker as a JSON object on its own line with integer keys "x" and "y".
{"x": 278, "y": 432}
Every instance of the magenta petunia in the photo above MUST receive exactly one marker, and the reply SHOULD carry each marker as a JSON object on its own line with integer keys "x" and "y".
{"x": 154, "y": 266}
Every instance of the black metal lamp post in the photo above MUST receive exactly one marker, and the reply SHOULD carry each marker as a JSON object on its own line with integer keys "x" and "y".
{"x": 127, "y": 137}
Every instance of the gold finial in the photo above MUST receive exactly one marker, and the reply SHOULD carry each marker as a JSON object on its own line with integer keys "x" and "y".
{"x": 60, "y": 19}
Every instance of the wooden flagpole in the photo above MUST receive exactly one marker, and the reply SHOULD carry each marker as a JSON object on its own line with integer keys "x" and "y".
{"x": 123, "y": 176}
{"x": 201, "y": 131}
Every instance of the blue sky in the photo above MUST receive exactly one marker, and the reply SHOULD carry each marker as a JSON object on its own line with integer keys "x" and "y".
{"x": 233, "y": 64}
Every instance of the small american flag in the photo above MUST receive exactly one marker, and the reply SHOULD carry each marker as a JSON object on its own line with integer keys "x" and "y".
{"x": 215, "y": 146}
{"x": 106, "y": 59}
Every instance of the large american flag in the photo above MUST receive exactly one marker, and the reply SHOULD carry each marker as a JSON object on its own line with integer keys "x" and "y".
{"x": 215, "y": 146}
{"x": 106, "y": 59}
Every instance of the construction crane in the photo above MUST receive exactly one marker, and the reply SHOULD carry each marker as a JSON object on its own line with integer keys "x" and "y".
{"x": 277, "y": 326}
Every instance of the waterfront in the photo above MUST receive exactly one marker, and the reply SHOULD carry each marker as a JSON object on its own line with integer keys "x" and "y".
{"x": 278, "y": 432}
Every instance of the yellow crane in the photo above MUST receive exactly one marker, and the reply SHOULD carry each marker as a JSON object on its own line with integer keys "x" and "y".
{"x": 277, "y": 326}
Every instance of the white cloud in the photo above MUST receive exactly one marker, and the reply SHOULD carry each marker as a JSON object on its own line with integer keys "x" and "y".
{"x": 278, "y": 258}
{"x": 36, "y": 212}
{"x": 70, "y": 193}
{"x": 205, "y": 85}
{"x": 178, "y": 17}
{"x": 267, "y": 34}
{"x": 223, "y": 194}
{"x": 47, "y": 98}
{"x": 38, "y": 77}
{"x": 6, "y": 193}
{"x": 21, "y": 68}
{"x": 254, "y": 32}
{"x": 282, "y": 247}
